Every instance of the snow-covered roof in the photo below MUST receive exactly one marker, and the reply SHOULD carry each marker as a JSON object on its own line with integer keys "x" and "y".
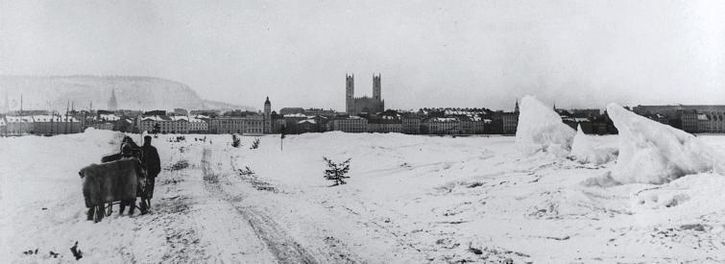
{"x": 295, "y": 115}
{"x": 109, "y": 117}
{"x": 156, "y": 118}
{"x": 18, "y": 119}
{"x": 444, "y": 119}
{"x": 195, "y": 120}
{"x": 180, "y": 118}
{"x": 311, "y": 121}
{"x": 53, "y": 118}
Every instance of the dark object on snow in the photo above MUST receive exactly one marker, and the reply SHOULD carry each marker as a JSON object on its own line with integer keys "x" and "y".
{"x": 337, "y": 171}
{"x": 236, "y": 142}
{"x": 152, "y": 163}
{"x": 474, "y": 250}
{"x": 255, "y": 144}
{"x": 109, "y": 182}
{"x": 76, "y": 251}
{"x": 53, "y": 254}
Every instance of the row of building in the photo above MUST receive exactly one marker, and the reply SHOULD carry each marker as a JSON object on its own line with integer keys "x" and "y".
{"x": 690, "y": 118}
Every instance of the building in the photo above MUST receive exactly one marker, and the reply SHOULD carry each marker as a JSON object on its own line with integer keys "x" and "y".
{"x": 356, "y": 105}
{"x": 292, "y": 120}
{"x": 3, "y": 127}
{"x": 103, "y": 126}
{"x": 703, "y": 122}
{"x": 510, "y": 122}
{"x": 180, "y": 125}
{"x": 250, "y": 124}
{"x": 686, "y": 117}
{"x": 385, "y": 124}
{"x": 472, "y": 124}
{"x": 198, "y": 125}
{"x": 352, "y": 124}
{"x": 441, "y": 125}
{"x": 410, "y": 123}
{"x": 716, "y": 121}
{"x": 18, "y": 125}
{"x": 155, "y": 124}
{"x": 55, "y": 125}
{"x": 307, "y": 126}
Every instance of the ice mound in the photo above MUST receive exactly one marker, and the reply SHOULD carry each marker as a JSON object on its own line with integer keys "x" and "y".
{"x": 585, "y": 151}
{"x": 650, "y": 152}
{"x": 689, "y": 196}
{"x": 540, "y": 129}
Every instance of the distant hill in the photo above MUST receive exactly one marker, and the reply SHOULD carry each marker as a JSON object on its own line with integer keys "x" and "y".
{"x": 132, "y": 92}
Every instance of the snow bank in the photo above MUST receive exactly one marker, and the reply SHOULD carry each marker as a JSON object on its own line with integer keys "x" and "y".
{"x": 650, "y": 152}
{"x": 541, "y": 129}
{"x": 585, "y": 151}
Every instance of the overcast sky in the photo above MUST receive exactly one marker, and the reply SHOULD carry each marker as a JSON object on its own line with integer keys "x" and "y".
{"x": 430, "y": 53}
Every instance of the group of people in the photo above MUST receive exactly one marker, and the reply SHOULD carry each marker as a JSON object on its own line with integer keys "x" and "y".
{"x": 149, "y": 158}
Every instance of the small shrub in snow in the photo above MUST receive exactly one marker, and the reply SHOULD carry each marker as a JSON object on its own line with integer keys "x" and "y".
{"x": 246, "y": 171}
{"x": 337, "y": 171}
{"x": 255, "y": 144}
{"x": 236, "y": 142}
{"x": 179, "y": 165}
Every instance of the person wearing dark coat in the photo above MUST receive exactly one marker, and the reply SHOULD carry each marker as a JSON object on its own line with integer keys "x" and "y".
{"x": 152, "y": 163}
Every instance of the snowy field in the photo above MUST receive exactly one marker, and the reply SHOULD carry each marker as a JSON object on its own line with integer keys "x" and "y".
{"x": 410, "y": 199}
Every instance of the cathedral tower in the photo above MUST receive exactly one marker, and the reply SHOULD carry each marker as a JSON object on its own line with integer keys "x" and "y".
{"x": 349, "y": 93}
{"x": 112, "y": 103}
{"x": 267, "y": 116}
{"x": 376, "y": 87}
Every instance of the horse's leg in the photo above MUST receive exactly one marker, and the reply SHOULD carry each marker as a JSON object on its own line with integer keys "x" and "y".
{"x": 109, "y": 210}
{"x": 122, "y": 207}
{"x": 99, "y": 212}
{"x": 143, "y": 205}
{"x": 132, "y": 204}
{"x": 89, "y": 214}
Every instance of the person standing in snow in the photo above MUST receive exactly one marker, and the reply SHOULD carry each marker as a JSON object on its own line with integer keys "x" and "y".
{"x": 152, "y": 164}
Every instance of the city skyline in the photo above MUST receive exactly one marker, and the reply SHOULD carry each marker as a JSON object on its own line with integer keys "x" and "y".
{"x": 574, "y": 54}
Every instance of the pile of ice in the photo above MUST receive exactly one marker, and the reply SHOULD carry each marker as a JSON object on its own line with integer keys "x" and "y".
{"x": 540, "y": 129}
{"x": 585, "y": 151}
{"x": 650, "y": 152}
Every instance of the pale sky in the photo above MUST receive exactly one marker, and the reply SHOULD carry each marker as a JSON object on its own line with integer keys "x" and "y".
{"x": 430, "y": 53}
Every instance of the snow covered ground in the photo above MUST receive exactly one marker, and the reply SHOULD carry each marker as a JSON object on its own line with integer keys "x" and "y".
{"x": 410, "y": 199}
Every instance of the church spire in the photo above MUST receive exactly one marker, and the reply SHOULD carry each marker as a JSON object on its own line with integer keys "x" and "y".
{"x": 112, "y": 103}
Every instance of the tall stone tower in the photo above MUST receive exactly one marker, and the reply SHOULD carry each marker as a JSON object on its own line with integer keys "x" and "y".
{"x": 376, "y": 87}
{"x": 267, "y": 116}
{"x": 349, "y": 93}
{"x": 112, "y": 103}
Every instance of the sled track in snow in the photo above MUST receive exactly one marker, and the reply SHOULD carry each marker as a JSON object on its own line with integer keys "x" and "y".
{"x": 279, "y": 243}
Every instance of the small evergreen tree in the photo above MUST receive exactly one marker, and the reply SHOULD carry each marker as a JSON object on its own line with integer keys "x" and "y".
{"x": 236, "y": 142}
{"x": 255, "y": 144}
{"x": 337, "y": 171}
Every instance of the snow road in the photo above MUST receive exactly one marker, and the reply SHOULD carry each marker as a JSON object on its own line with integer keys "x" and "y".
{"x": 411, "y": 199}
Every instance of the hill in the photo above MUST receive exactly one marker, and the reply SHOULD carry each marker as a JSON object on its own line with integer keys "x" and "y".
{"x": 132, "y": 92}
